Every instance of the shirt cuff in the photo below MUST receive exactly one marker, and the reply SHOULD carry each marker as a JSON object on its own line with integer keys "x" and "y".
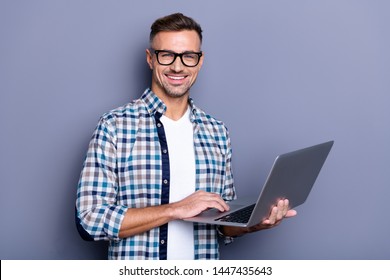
{"x": 113, "y": 221}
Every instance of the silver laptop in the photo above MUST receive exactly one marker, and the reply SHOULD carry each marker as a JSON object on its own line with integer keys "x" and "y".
{"x": 292, "y": 176}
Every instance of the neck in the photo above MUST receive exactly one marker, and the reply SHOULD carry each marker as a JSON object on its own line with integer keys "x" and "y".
{"x": 176, "y": 106}
{"x": 176, "y": 112}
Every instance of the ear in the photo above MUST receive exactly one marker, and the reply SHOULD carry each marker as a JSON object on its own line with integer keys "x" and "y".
{"x": 201, "y": 61}
{"x": 149, "y": 59}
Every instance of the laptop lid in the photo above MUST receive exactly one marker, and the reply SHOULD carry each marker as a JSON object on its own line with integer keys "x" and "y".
{"x": 292, "y": 176}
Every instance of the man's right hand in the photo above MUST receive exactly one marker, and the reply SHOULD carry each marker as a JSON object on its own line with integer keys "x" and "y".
{"x": 196, "y": 203}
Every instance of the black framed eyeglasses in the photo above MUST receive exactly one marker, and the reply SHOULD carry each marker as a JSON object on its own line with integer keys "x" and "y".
{"x": 189, "y": 59}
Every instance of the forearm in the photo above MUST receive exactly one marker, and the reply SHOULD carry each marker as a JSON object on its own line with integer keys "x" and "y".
{"x": 140, "y": 220}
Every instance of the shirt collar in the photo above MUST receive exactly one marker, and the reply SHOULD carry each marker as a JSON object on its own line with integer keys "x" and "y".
{"x": 156, "y": 105}
{"x": 153, "y": 103}
{"x": 194, "y": 110}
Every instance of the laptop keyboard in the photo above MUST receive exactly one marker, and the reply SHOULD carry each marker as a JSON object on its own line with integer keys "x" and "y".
{"x": 239, "y": 216}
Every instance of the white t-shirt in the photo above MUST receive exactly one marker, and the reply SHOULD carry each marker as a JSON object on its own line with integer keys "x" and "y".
{"x": 180, "y": 141}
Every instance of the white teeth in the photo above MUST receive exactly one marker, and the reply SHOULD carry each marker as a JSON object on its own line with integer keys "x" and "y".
{"x": 175, "y": 78}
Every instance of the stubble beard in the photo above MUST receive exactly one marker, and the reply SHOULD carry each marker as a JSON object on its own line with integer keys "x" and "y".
{"x": 175, "y": 92}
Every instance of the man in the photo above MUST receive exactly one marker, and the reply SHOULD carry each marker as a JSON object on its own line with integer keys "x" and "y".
{"x": 161, "y": 159}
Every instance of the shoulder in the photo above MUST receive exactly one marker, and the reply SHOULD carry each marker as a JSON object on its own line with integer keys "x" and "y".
{"x": 131, "y": 110}
{"x": 123, "y": 119}
{"x": 211, "y": 122}
{"x": 126, "y": 114}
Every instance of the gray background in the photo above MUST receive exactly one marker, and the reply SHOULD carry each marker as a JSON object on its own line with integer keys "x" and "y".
{"x": 281, "y": 74}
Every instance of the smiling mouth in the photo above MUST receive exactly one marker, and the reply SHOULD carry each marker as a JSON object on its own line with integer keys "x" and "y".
{"x": 176, "y": 78}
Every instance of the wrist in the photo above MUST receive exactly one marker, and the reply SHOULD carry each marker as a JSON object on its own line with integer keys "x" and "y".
{"x": 232, "y": 231}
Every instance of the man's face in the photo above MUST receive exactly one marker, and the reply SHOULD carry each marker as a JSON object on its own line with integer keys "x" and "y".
{"x": 174, "y": 80}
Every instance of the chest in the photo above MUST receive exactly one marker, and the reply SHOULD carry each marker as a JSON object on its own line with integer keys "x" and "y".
{"x": 140, "y": 161}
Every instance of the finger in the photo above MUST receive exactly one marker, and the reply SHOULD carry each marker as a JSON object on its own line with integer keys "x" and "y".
{"x": 286, "y": 207}
{"x": 218, "y": 201}
{"x": 221, "y": 206}
{"x": 287, "y": 212}
{"x": 213, "y": 200}
{"x": 280, "y": 210}
{"x": 272, "y": 217}
{"x": 291, "y": 213}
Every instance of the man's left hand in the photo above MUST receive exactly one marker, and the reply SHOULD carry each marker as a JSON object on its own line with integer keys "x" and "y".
{"x": 278, "y": 213}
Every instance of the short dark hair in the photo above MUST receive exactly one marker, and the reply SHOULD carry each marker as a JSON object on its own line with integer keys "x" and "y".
{"x": 174, "y": 22}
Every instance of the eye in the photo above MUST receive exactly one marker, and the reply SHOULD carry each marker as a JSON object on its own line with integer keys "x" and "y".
{"x": 189, "y": 55}
{"x": 166, "y": 54}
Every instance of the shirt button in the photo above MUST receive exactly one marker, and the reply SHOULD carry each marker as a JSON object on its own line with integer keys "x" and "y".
{"x": 165, "y": 151}
{"x": 162, "y": 242}
{"x": 165, "y": 181}
{"x": 159, "y": 124}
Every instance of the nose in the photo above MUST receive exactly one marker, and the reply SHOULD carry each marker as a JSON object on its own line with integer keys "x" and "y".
{"x": 177, "y": 65}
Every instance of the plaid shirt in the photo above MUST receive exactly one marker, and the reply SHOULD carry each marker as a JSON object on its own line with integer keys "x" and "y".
{"x": 126, "y": 167}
